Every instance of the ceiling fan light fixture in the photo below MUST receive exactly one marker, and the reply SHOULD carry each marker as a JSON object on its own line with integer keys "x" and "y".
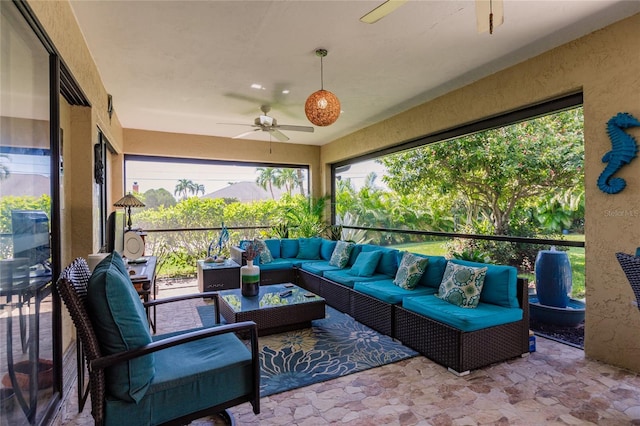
{"x": 322, "y": 107}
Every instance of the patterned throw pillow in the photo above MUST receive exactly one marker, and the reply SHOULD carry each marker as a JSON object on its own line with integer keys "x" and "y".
{"x": 340, "y": 255}
{"x": 265, "y": 253}
{"x": 461, "y": 285}
{"x": 410, "y": 270}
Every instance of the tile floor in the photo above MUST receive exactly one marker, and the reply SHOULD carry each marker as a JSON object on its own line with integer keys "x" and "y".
{"x": 555, "y": 385}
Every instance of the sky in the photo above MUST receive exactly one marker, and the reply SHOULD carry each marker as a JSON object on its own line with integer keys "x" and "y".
{"x": 155, "y": 175}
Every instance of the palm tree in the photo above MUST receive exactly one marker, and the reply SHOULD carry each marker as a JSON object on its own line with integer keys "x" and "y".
{"x": 287, "y": 178}
{"x": 4, "y": 169}
{"x": 267, "y": 178}
{"x": 183, "y": 187}
{"x": 199, "y": 188}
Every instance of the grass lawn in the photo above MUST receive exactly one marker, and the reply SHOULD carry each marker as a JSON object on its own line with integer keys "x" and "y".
{"x": 576, "y": 258}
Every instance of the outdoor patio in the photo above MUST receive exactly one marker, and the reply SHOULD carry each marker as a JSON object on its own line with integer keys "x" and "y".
{"x": 554, "y": 385}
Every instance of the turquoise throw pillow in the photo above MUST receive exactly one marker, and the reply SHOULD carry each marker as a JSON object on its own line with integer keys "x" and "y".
{"x": 410, "y": 270}
{"x": 366, "y": 263}
{"x": 461, "y": 285}
{"x": 341, "y": 253}
{"x": 309, "y": 248}
{"x": 120, "y": 322}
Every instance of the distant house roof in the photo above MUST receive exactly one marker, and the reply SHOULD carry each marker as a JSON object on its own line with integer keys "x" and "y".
{"x": 20, "y": 184}
{"x": 245, "y": 192}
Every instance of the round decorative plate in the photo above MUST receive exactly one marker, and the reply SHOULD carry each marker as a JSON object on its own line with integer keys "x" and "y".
{"x": 133, "y": 245}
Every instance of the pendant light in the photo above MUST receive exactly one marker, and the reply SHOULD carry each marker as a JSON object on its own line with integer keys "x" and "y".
{"x": 322, "y": 107}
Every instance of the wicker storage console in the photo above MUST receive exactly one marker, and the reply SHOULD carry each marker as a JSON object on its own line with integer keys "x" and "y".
{"x": 461, "y": 351}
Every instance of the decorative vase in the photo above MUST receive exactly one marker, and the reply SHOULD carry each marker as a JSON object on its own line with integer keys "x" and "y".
{"x": 250, "y": 279}
{"x": 553, "y": 278}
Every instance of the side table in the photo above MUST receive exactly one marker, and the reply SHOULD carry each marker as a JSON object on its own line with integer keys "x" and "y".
{"x": 218, "y": 276}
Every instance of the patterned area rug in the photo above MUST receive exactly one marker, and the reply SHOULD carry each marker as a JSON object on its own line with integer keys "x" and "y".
{"x": 335, "y": 346}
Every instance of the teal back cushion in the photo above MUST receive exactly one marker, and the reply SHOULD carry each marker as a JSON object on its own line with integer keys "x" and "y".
{"x": 326, "y": 249}
{"x": 120, "y": 323}
{"x": 274, "y": 247}
{"x": 432, "y": 277}
{"x": 388, "y": 263}
{"x": 500, "y": 284}
{"x": 309, "y": 248}
{"x": 366, "y": 263}
{"x": 288, "y": 248}
{"x": 355, "y": 251}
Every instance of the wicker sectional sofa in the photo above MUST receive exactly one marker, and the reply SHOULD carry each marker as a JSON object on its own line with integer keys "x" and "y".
{"x": 458, "y": 338}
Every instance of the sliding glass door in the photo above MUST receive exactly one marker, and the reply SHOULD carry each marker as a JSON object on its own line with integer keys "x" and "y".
{"x": 26, "y": 310}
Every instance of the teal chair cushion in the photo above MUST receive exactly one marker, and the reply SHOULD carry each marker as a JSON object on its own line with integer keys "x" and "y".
{"x": 500, "y": 283}
{"x": 387, "y": 291}
{"x": 120, "y": 323}
{"x": 276, "y": 264}
{"x": 482, "y": 316}
{"x": 366, "y": 263}
{"x": 326, "y": 249}
{"x": 289, "y": 248}
{"x": 309, "y": 248}
{"x": 189, "y": 378}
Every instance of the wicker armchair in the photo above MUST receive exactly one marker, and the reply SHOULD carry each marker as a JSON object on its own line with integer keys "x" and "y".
{"x": 72, "y": 286}
{"x": 631, "y": 267}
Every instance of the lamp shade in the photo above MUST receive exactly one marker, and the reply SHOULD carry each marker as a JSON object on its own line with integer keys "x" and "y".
{"x": 322, "y": 108}
{"x": 128, "y": 201}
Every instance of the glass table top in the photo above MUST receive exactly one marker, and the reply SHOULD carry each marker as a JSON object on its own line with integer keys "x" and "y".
{"x": 268, "y": 297}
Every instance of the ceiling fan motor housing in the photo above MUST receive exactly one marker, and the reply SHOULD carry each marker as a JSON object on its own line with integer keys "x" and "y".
{"x": 265, "y": 120}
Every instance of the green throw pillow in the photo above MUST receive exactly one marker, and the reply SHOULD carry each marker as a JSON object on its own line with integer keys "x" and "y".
{"x": 365, "y": 264}
{"x": 265, "y": 253}
{"x": 410, "y": 270}
{"x": 461, "y": 285}
{"x": 340, "y": 255}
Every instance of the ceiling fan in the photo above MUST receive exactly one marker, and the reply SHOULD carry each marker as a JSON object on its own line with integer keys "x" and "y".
{"x": 489, "y": 13}
{"x": 269, "y": 124}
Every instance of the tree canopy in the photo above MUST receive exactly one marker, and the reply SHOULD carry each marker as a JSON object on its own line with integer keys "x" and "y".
{"x": 490, "y": 172}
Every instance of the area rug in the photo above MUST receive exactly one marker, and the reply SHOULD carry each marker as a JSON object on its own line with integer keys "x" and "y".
{"x": 335, "y": 346}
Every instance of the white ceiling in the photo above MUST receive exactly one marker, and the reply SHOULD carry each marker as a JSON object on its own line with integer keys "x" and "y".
{"x": 185, "y": 66}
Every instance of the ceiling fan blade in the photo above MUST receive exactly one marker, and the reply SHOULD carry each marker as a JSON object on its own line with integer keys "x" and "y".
{"x": 278, "y": 134}
{"x": 381, "y": 11}
{"x": 484, "y": 10}
{"x": 241, "y": 135}
{"x": 307, "y": 129}
{"x": 237, "y": 124}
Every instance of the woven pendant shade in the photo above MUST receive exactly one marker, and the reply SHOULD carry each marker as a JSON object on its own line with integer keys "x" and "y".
{"x": 322, "y": 108}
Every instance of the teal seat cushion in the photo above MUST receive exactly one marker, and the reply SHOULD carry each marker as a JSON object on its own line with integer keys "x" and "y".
{"x": 189, "y": 378}
{"x": 289, "y": 248}
{"x": 366, "y": 263}
{"x": 309, "y": 248}
{"x": 276, "y": 264}
{"x": 388, "y": 263}
{"x": 483, "y": 316}
{"x": 387, "y": 291}
{"x": 500, "y": 284}
{"x": 342, "y": 276}
{"x": 432, "y": 276}
{"x": 120, "y": 323}
{"x": 318, "y": 268}
{"x": 326, "y": 249}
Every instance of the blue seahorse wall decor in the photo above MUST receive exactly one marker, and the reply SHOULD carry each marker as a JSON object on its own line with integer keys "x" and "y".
{"x": 624, "y": 148}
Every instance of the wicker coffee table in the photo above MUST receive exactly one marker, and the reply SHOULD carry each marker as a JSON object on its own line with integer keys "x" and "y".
{"x": 272, "y": 312}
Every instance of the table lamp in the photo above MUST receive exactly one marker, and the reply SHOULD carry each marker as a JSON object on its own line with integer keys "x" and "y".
{"x": 128, "y": 201}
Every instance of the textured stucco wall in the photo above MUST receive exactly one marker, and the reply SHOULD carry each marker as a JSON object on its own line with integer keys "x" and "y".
{"x": 144, "y": 142}
{"x": 606, "y": 66}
